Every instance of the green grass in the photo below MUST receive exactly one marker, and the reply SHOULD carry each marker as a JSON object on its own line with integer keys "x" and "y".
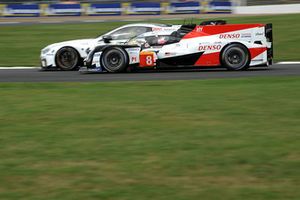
{"x": 21, "y": 45}
{"x": 227, "y": 139}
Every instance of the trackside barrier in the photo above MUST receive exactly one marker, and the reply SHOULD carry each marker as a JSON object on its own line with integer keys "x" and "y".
{"x": 62, "y": 10}
{"x": 219, "y": 7}
{"x": 141, "y": 8}
{"x": 106, "y": 9}
{"x": 182, "y": 8}
{"x": 21, "y": 10}
{"x": 103, "y": 9}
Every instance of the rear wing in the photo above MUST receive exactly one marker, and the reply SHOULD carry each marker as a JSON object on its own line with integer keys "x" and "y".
{"x": 213, "y": 22}
{"x": 269, "y": 36}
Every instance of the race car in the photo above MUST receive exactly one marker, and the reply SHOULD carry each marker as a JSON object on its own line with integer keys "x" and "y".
{"x": 210, "y": 44}
{"x": 69, "y": 55}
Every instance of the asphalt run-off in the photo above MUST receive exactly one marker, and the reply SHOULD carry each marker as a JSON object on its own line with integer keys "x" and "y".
{"x": 36, "y": 75}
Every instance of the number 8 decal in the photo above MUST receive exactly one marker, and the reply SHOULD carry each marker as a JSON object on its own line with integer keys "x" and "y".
{"x": 149, "y": 60}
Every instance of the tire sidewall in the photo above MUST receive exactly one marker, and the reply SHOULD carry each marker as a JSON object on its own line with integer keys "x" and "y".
{"x": 237, "y": 47}
{"x": 58, "y": 62}
{"x": 122, "y": 53}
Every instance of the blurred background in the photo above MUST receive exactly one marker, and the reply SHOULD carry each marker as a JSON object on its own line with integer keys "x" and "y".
{"x": 229, "y": 139}
{"x": 36, "y": 8}
{"x": 238, "y": 2}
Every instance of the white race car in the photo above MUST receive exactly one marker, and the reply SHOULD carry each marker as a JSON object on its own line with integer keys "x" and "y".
{"x": 69, "y": 55}
{"x": 233, "y": 46}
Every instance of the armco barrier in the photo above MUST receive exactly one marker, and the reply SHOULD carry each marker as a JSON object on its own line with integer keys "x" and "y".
{"x": 141, "y": 8}
{"x": 106, "y": 9}
{"x": 103, "y": 9}
{"x": 219, "y": 7}
{"x": 21, "y": 10}
{"x": 182, "y": 8}
{"x": 63, "y": 10}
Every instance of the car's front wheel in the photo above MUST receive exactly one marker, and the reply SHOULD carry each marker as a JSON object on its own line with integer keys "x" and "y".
{"x": 235, "y": 57}
{"x": 67, "y": 58}
{"x": 114, "y": 59}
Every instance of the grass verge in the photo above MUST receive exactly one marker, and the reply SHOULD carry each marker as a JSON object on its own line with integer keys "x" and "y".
{"x": 208, "y": 139}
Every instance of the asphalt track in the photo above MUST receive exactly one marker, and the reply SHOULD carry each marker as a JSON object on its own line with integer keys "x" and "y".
{"x": 35, "y": 75}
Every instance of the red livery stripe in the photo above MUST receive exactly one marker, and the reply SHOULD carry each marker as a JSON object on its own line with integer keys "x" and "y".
{"x": 211, "y": 59}
{"x": 257, "y": 51}
{"x": 201, "y": 31}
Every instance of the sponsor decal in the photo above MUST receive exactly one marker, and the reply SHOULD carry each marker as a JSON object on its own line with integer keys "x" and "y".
{"x": 170, "y": 29}
{"x": 259, "y": 34}
{"x": 246, "y": 35}
{"x": 199, "y": 29}
{"x": 230, "y": 36}
{"x": 133, "y": 59}
{"x": 209, "y": 47}
{"x": 132, "y": 50}
{"x": 156, "y": 29}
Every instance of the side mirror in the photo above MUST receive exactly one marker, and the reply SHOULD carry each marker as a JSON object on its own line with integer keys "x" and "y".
{"x": 107, "y": 38}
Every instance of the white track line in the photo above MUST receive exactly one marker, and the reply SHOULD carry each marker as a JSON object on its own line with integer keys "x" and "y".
{"x": 289, "y": 63}
{"x": 50, "y": 22}
{"x": 131, "y": 20}
{"x": 20, "y": 67}
{"x": 175, "y": 18}
{"x": 10, "y": 22}
{"x": 89, "y": 21}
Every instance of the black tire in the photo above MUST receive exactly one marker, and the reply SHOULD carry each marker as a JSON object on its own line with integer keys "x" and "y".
{"x": 114, "y": 59}
{"x": 67, "y": 58}
{"x": 235, "y": 57}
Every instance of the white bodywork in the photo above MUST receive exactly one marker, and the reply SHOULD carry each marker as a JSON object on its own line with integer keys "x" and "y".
{"x": 252, "y": 38}
{"x": 84, "y": 46}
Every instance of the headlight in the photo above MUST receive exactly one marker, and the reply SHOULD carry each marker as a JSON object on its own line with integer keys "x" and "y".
{"x": 44, "y": 51}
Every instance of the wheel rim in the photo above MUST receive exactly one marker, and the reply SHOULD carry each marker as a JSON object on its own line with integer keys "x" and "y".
{"x": 236, "y": 58}
{"x": 113, "y": 60}
{"x": 67, "y": 58}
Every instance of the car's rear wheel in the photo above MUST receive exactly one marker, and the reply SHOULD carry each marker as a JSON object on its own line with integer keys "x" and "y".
{"x": 114, "y": 59}
{"x": 67, "y": 58}
{"x": 235, "y": 57}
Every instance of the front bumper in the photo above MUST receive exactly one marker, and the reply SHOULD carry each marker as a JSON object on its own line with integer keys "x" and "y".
{"x": 47, "y": 61}
{"x": 44, "y": 63}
